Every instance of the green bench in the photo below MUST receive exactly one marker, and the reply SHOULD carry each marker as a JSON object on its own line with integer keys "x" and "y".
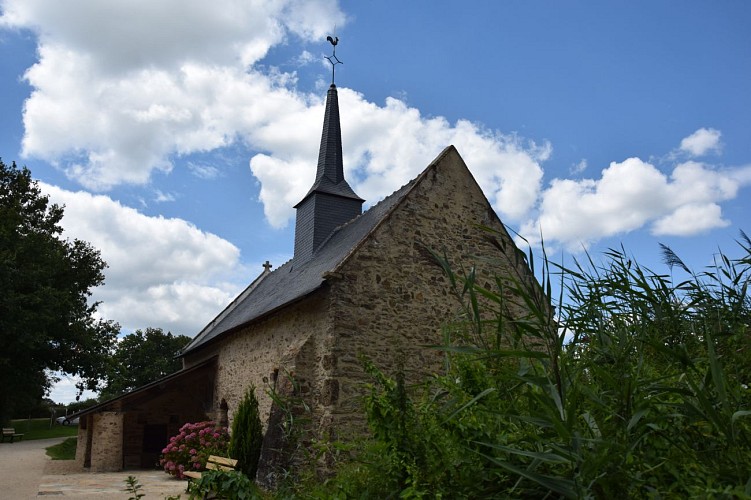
{"x": 10, "y": 432}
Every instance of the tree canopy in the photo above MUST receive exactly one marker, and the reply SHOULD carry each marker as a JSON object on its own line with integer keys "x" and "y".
{"x": 142, "y": 357}
{"x": 46, "y": 318}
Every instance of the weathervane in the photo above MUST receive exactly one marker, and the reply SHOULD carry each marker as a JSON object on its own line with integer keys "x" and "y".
{"x": 333, "y": 60}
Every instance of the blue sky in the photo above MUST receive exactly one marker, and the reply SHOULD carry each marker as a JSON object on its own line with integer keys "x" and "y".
{"x": 179, "y": 134}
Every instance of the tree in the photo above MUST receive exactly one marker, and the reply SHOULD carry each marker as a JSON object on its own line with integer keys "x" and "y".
{"x": 46, "y": 319}
{"x": 142, "y": 357}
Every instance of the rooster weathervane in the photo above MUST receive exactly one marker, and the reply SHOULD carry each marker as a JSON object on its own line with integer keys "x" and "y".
{"x": 333, "y": 60}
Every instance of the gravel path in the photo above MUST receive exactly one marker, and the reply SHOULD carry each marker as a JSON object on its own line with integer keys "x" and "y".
{"x": 22, "y": 467}
{"x": 27, "y": 472}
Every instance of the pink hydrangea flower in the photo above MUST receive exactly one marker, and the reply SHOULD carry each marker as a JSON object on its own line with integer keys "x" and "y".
{"x": 192, "y": 445}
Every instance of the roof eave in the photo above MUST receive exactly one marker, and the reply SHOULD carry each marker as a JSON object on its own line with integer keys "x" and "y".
{"x": 222, "y": 335}
{"x": 143, "y": 388}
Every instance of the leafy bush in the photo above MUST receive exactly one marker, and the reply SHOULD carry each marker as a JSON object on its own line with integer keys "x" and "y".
{"x": 637, "y": 387}
{"x": 191, "y": 448}
{"x": 231, "y": 485}
{"x": 411, "y": 455}
{"x": 247, "y": 434}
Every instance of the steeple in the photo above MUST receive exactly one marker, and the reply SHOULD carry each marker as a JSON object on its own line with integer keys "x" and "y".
{"x": 330, "y": 202}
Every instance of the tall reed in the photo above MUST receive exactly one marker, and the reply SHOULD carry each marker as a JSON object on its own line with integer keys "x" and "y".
{"x": 634, "y": 386}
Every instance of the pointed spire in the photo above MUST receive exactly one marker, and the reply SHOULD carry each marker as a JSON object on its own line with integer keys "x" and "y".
{"x": 330, "y": 202}
{"x": 330, "y": 170}
{"x": 330, "y": 163}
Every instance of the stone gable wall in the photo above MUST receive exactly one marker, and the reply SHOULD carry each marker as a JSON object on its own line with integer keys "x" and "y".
{"x": 392, "y": 300}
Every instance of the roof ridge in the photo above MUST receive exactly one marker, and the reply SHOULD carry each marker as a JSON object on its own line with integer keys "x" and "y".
{"x": 231, "y": 306}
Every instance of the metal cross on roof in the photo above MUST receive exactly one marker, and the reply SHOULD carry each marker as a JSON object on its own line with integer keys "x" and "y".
{"x": 332, "y": 58}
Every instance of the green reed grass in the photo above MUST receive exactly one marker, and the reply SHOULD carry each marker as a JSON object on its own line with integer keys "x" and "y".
{"x": 635, "y": 386}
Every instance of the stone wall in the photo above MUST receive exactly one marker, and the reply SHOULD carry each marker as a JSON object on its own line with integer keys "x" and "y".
{"x": 161, "y": 416}
{"x": 392, "y": 300}
{"x": 107, "y": 442}
{"x": 268, "y": 349}
{"x": 83, "y": 443}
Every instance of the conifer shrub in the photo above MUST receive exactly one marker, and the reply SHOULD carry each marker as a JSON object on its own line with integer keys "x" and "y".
{"x": 247, "y": 435}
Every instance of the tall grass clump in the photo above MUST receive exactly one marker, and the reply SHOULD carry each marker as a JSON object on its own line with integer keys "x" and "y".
{"x": 636, "y": 386}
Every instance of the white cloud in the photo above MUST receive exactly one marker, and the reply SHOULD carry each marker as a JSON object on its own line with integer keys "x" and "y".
{"x": 120, "y": 87}
{"x": 123, "y": 36}
{"x": 305, "y": 58}
{"x": 631, "y": 195}
{"x": 579, "y": 167}
{"x": 162, "y": 197}
{"x": 385, "y": 147}
{"x": 690, "y": 219}
{"x": 161, "y": 272}
{"x": 701, "y": 142}
{"x": 65, "y": 391}
{"x": 203, "y": 171}
{"x": 132, "y": 86}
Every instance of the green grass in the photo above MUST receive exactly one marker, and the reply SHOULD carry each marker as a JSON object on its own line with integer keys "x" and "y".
{"x": 39, "y": 428}
{"x": 63, "y": 451}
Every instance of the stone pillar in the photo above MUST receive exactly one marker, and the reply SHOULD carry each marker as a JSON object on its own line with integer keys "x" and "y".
{"x": 84, "y": 431}
{"x": 107, "y": 442}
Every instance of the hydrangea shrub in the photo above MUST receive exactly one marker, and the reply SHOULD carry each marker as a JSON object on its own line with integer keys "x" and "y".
{"x": 190, "y": 449}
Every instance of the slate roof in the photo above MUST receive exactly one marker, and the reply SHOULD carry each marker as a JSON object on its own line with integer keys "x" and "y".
{"x": 294, "y": 281}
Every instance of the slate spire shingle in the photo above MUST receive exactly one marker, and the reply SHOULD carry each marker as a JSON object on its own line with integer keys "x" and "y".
{"x": 330, "y": 202}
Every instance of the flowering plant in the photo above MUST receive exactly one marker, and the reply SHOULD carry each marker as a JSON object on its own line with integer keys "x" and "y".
{"x": 190, "y": 449}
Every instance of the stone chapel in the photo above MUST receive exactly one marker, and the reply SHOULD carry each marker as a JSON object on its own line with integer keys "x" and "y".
{"x": 359, "y": 283}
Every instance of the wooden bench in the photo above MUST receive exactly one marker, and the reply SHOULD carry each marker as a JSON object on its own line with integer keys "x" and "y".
{"x": 213, "y": 463}
{"x": 10, "y": 432}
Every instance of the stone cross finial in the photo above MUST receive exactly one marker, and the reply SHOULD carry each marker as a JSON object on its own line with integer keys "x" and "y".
{"x": 267, "y": 267}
